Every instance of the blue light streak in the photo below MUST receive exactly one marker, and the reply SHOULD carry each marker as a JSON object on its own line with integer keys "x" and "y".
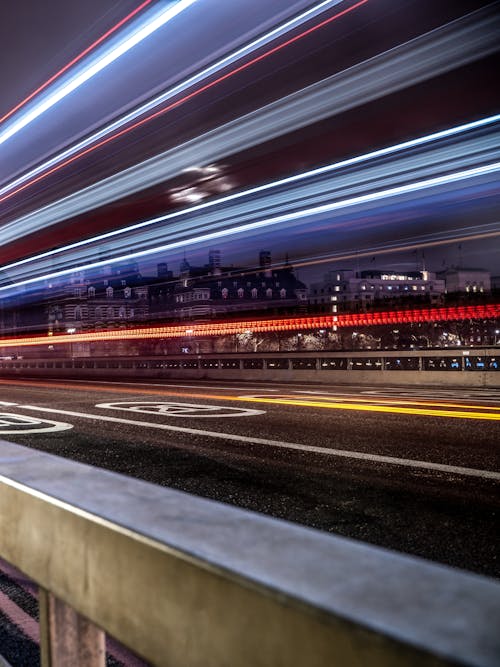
{"x": 359, "y": 159}
{"x": 96, "y": 65}
{"x": 272, "y": 221}
{"x": 172, "y": 92}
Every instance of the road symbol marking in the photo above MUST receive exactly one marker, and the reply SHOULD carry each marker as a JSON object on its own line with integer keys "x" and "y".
{"x": 341, "y": 453}
{"x": 11, "y": 424}
{"x": 175, "y": 409}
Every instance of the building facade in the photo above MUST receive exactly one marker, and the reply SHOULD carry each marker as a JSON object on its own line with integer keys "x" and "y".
{"x": 346, "y": 289}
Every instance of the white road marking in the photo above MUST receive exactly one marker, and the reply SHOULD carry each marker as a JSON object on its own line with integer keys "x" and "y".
{"x": 12, "y": 424}
{"x": 175, "y": 409}
{"x": 7, "y": 403}
{"x": 362, "y": 456}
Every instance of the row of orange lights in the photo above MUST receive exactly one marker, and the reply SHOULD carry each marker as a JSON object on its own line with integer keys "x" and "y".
{"x": 261, "y": 326}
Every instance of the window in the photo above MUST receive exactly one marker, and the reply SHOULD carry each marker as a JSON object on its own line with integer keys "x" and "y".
{"x": 109, "y": 292}
{"x": 269, "y": 293}
{"x": 254, "y": 293}
{"x": 127, "y": 292}
{"x": 91, "y": 292}
{"x": 282, "y": 293}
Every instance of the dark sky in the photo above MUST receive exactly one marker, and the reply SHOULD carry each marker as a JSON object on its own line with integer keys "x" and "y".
{"x": 40, "y": 36}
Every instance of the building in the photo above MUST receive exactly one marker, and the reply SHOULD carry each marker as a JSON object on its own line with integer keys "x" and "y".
{"x": 106, "y": 303}
{"x": 213, "y": 290}
{"x": 466, "y": 281}
{"x": 346, "y": 289}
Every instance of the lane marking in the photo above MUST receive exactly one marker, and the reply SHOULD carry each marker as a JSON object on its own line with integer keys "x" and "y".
{"x": 362, "y": 456}
{"x": 174, "y": 409}
{"x": 13, "y": 423}
{"x": 292, "y": 401}
{"x": 387, "y": 400}
{"x": 457, "y": 414}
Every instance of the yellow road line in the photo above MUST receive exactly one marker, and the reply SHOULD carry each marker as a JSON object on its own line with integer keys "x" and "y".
{"x": 391, "y": 401}
{"x": 377, "y": 408}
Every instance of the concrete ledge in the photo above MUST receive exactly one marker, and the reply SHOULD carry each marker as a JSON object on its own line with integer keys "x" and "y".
{"x": 186, "y": 581}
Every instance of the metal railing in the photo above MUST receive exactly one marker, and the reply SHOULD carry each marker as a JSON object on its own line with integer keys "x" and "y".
{"x": 184, "y": 581}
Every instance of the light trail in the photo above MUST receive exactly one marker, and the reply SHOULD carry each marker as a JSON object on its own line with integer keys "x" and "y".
{"x": 100, "y": 138}
{"x": 151, "y": 26}
{"x": 488, "y": 311}
{"x": 296, "y": 178}
{"x": 479, "y": 412}
{"x": 429, "y": 55}
{"x": 379, "y": 195}
{"x": 76, "y": 59}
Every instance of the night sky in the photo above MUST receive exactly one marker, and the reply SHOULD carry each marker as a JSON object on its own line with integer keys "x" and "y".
{"x": 38, "y": 37}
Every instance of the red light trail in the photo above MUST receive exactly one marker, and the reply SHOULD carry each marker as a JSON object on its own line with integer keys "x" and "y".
{"x": 76, "y": 59}
{"x": 184, "y": 99}
{"x": 445, "y": 314}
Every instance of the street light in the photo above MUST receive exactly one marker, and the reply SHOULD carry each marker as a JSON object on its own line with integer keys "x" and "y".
{"x": 71, "y": 330}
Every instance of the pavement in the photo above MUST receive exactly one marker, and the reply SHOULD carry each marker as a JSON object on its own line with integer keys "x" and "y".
{"x": 411, "y": 469}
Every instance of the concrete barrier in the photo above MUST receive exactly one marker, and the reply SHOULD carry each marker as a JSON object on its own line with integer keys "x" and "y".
{"x": 184, "y": 581}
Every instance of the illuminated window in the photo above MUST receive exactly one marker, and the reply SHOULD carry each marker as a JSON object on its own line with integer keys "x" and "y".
{"x": 254, "y": 293}
{"x": 91, "y": 292}
{"x": 109, "y": 292}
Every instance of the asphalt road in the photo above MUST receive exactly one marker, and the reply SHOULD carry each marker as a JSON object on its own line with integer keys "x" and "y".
{"x": 416, "y": 470}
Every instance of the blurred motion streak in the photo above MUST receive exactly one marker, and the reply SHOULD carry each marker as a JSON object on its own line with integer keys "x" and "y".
{"x": 155, "y": 22}
{"x": 207, "y": 231}
{"x": 76, "y": 59}
{"x": 79, "y": 149}
{"x": 424, "y": 57}
{"x": 433, "y": 158}
{"x": 285, "y": 324}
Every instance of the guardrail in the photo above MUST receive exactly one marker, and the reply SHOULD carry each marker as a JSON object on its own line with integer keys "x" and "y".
{"x": 469, "y": 367}
{"x": 184, "y": 581}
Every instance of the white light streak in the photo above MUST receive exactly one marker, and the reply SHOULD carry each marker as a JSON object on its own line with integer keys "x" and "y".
{"x": 268, "y": 222}
{"x": 171, "y": 92}
{"x": 153, "y": 24}
{"x": 358, "y": 159}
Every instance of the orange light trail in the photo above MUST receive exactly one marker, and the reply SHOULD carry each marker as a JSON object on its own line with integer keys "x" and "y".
{"x": 264, "y": 326}
{"x": 463, "y": 411}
